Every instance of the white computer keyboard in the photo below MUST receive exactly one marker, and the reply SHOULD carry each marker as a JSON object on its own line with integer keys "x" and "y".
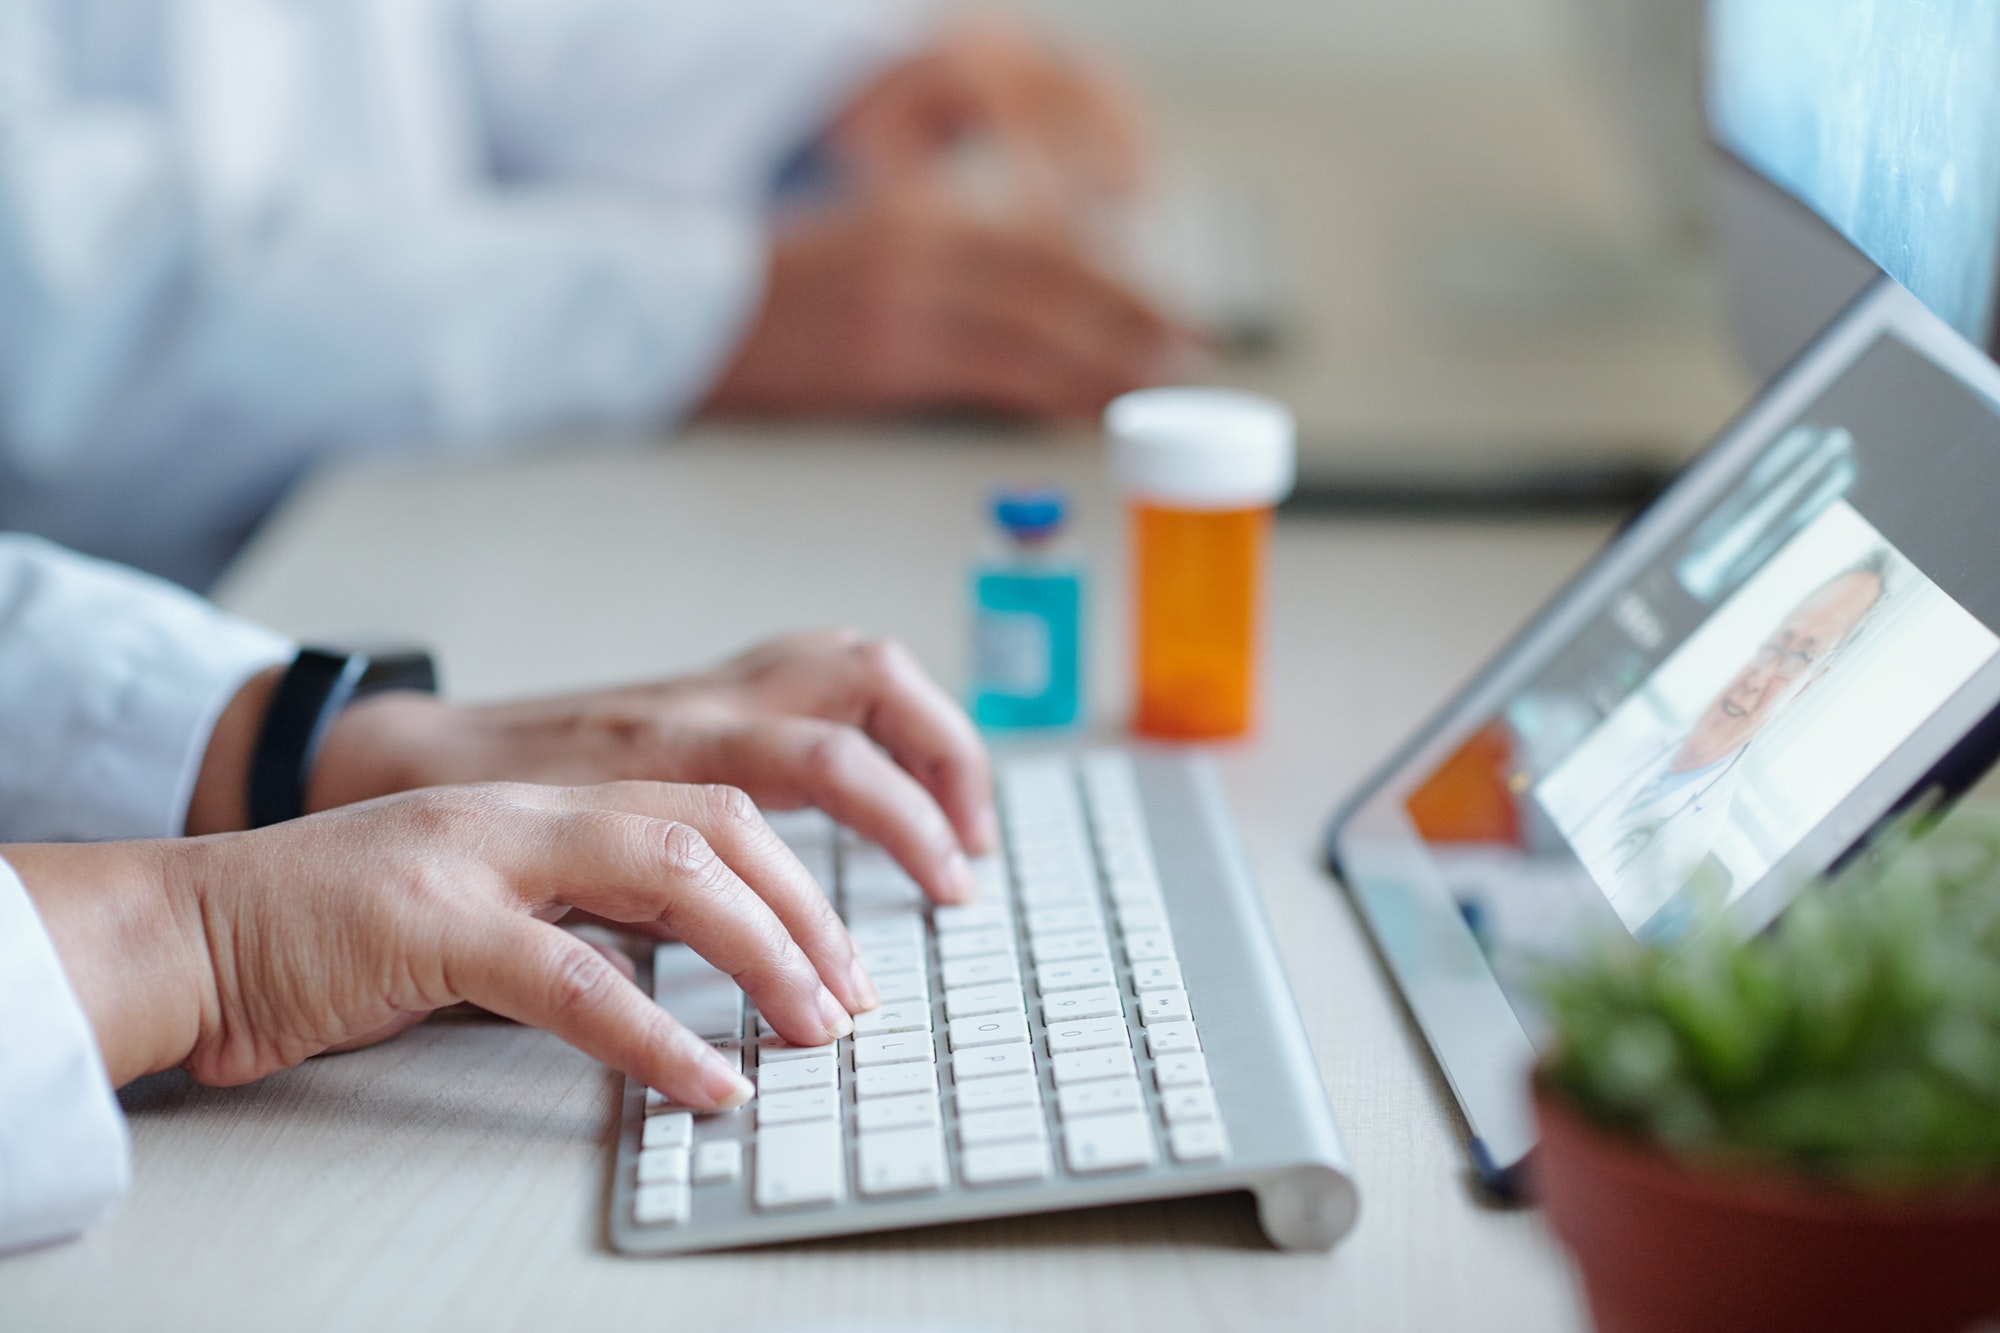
{"x": 1041, "y": 1038}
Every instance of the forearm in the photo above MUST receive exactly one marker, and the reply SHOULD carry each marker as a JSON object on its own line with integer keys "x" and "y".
{"x": 133, "y": 949}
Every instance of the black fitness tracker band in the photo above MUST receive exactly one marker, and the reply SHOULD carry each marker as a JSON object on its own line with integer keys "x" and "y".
{"x": 314, "y": 689}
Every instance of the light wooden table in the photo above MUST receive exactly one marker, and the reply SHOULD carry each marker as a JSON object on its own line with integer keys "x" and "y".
{"x": 455, "y": 1177}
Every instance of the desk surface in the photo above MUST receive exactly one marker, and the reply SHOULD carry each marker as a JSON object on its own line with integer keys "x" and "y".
{"x": 456, "y": 1177}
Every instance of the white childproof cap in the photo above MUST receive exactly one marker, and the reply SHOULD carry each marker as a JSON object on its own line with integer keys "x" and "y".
{"x": 1202, "y": 448}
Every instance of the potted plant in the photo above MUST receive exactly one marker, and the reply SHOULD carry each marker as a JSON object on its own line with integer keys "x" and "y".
{"x": 1795, "y": 1130}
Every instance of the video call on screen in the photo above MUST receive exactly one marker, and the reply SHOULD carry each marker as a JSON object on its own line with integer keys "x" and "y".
{"x": 1724, "y": 703}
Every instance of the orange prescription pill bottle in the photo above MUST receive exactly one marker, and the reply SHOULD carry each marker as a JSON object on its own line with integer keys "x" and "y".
{"x": 1200, "y": 470}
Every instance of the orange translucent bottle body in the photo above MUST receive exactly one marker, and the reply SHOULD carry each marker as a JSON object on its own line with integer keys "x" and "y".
{"x": 1197, "y": 579}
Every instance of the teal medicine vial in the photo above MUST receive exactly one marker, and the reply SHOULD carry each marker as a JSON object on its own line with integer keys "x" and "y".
{"x": 1027, "y": 615}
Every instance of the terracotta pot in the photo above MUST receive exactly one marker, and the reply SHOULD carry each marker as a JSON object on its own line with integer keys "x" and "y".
{"x": 1668, "y": 1246}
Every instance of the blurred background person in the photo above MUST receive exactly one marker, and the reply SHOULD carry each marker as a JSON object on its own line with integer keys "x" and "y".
{"x": 243, "y": 238}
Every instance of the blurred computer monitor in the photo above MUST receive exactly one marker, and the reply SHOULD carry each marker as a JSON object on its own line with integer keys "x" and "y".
{"x": 1882, "y": 117}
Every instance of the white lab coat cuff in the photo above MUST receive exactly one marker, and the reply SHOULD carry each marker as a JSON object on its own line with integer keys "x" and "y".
{"x": 111, "y": 683}
{"x": 64, "y": 1152}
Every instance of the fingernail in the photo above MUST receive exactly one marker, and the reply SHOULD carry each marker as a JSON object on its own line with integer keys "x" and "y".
{"x": 862, "y": 985}
{"x": 833, "y": 1015}
{"x": 724, "y": 1086}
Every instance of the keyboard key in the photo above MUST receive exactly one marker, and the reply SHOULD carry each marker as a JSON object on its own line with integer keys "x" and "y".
{"x": 960, "y": 972}
{"x": 1164, "y": 974}
{"x": 660, "y": 1205}
{"x": 997, "y": 1094}
{"x": 988, "y": 1030}
{"x": 1067, "y": 881}
{"x": 893, "y": 1048}
{"x": 1074, "y": 975}
{"x": 663, "y": 1166}
{"x": 991, "y": 876}
{"x": 1010, "y": 1126}
{"x": 895, "y": 1080}
{"x": 1186, "y": 1070}
{"x": 776, "y": 1050}
{"x": 1088, "y": 1034}
{"x": 895, "y": 987}
{"x": 1148, "y": 946}
{"x": 1059, "y": 889}
{"x": 887, "y": 930}
{"x": 975, "y": 915}
{"x": 1171, "y": 1038}
{"x": 908, "y": 1016}
{"x": 972, "y": 1001}
{"x": 998, "y": 1163}
{"x": 1130, "y": 890}
{"x": 1058, "y": 920}
{"x": 792, "y": 1075}
{"x": 799, "y": 1165}
{"x": 871, "y": 879}
{"x": 973, "y": 943}
{"x": 718, "y": 1162}
{"x": 704, "y": 999}
{"x": 1163, "y": 1006}
{"x": 791, "y": 1108}
{"x": 1096, "y": 1002}
{"x": 1198, "y": 1141}
{"x": 894, "y": 958}
{"x": 1137, "y": 916}
{"x": 895, "y": 1112}
{"x": 992, "y": 1061}
{"x": 902, "y": 1161}
{"x": 1099, "y": 1098}
{"x": 1083, "y": 1066}
{"x": 668, "y": 1131}
{"x": 1075, "y": 944}
{"x": 1185, "y": 1104}
{"x": 1108, "y": 1142}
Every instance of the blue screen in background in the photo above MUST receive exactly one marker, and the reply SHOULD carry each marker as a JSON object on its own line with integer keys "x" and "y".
{"x": 1884, "y": 117}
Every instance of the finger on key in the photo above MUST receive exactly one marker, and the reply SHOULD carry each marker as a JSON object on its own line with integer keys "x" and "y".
{"x": 923, "y": 729}
{"x": 851, "y": 778}
{"x": 634, "y": 867}
{"x": 736, "y": 829}
{"x": 542, "y": 975}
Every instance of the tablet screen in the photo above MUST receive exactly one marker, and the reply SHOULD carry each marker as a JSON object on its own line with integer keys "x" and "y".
{"x": 1747, "y": 677}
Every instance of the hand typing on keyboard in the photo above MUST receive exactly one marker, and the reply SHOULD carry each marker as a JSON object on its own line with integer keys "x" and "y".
{"x": 829, "y": 719}
{"x": 241, "y": 955}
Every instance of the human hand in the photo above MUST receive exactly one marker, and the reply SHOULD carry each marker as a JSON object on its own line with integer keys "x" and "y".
{"x": 905, "y": 304}
{"x": 239, "y": 955}
{"x": 1068, "y": 131}
{"x": 830, "y": 719}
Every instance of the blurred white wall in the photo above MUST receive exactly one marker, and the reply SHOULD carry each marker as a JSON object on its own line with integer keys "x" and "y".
{"x": 1179, "y": 38}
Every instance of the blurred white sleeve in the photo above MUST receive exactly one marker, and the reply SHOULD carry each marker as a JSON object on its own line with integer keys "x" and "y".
{"x": 690, "y": 99}
{"x": 64, "y": 1154}
{"x": 110, "y": 685}
{"x": 291, "y": 255}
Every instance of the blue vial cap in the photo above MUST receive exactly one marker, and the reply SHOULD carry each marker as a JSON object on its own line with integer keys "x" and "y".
{"x": 1029, "y": 515}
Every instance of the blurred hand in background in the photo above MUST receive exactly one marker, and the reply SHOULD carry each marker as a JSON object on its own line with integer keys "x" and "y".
{"x": 957, "y": 267}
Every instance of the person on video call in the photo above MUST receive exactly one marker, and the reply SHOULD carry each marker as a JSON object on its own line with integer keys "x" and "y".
{"x": 242, "y": 237}
{"x": 1647, "y": 837}
{"x": 129, "y": 712}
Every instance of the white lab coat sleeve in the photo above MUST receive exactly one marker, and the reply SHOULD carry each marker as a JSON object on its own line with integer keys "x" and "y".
{"x": 695, "y": 99}
{"x": 110, "y": 685}
{"x": 187, "y": 327}
{"x": 64, "y": 1153}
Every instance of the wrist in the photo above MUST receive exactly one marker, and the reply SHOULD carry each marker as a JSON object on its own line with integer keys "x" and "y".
{"x": 384, "y": 743}
{"x": 221, "y": 801}
{"x": 131, "y": 943}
